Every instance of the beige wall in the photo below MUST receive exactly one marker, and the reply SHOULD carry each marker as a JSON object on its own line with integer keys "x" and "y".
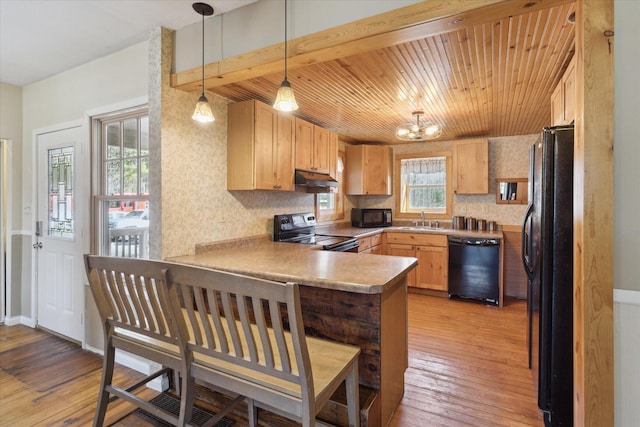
{"x": 11, "y": 129}
{"x": 18, "y": 241}
{"x": 627, "y": 146}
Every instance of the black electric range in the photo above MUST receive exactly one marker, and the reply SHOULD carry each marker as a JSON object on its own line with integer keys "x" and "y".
{"x": 301, "y": 228}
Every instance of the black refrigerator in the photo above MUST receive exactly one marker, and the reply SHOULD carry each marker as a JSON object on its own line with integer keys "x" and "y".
{"x": 547, "y": 255}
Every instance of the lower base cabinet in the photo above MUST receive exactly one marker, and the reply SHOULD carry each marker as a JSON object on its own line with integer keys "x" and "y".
{"x": 370, "y": 244}
{"x": 432, "y": 253}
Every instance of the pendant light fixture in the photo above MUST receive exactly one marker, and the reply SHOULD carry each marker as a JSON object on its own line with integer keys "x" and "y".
{"x": 203, "y": 111}
{"x": 418, "y": 130}
{"x": 285, "y": 99}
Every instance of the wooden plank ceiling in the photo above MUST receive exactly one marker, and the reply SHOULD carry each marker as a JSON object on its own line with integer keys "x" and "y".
{"x": 489, "y": 78}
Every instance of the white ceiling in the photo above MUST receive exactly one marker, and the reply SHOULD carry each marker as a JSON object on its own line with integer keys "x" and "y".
{"x": 41, "y": 38}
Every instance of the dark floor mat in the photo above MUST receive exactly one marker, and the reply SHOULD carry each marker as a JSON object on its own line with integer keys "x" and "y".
{"x": 172, "y": 404}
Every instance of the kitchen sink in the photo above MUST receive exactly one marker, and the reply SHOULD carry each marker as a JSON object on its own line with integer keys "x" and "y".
{"x": 420, "y": 227}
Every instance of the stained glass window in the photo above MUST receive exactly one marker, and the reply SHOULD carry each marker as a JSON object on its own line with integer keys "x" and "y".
{"x": 61, "y": 202}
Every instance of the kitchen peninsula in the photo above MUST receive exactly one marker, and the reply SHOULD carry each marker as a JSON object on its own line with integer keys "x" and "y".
{"x": 347, "y": 297}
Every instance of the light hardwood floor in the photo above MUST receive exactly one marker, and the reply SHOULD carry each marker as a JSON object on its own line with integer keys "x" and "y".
{"x": 467, "y": 367}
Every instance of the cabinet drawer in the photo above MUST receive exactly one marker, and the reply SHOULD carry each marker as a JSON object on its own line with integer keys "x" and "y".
{"x": 365, "y": 243}
{"x": 376, "y": 239}
{"x": 418, "y": 239}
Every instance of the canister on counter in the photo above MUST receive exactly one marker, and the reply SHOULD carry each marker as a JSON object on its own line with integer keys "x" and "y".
{"x": 492, "y": 226}
{"x": 471, "y": 223}
{"x": 482, "y": 224}
{"x": 458, "y": 223}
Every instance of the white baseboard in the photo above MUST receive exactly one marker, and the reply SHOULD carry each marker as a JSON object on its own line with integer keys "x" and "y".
{"x": 626, "y": 355}
{"x": 20, "y": 320}
{"x": 623, "y": 296}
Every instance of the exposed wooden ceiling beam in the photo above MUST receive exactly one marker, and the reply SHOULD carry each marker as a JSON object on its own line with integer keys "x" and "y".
{"x": 402, "y": 25}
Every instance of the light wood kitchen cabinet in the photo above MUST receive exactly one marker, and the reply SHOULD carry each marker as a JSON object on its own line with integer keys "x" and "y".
{"x": 432, "y": 253}
{"x": 260, "y": 144}
{"x": 313, "y": 148}
{"x": 370, "y": 244}
{"x": 404, "y": 250}
{"x": 369, "y": 169}
{"x": 471, "y": 166}
{"x": 333, "y": 155}
{"x": 563, "y": 98}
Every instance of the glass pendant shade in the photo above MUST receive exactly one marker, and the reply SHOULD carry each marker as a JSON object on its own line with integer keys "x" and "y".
{"x": 418, "y": 130}
{"x": 285, "y": 99}
{"x": 203, "y": 113}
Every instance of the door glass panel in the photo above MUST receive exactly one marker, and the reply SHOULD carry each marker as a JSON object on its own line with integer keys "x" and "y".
{"x": 130, "y": 136}
{"x": 112, "y": 135}
{"x": 61, "y": 208}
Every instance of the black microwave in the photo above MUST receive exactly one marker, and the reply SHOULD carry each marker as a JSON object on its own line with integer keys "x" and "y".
{"x": 368, "y": 218}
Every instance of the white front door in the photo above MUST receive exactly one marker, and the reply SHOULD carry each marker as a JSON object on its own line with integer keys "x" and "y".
{"x": 61, "y": 230}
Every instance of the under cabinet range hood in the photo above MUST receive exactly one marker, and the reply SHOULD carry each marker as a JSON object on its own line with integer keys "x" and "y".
{"x": 315, "y": 182}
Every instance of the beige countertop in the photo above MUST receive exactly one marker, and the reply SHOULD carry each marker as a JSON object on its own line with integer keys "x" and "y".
{"x": 349, "y": 231}
{"x": 290, "y": 262}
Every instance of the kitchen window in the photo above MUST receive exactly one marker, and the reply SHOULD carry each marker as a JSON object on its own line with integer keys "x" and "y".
{"x": 330, "y": 206}
{"x": 122, "y": 188}
{"x": 423, "y": 183}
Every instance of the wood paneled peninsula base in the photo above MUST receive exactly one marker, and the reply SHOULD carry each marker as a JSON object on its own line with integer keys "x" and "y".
{"x": 352, "y": 298}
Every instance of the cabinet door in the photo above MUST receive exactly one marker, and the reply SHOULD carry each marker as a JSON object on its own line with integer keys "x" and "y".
{"x": 377, "y": 170}
{"x": 333, "y": 155}
{"x": 265, "y": 134}
{"x": 304, "y": 145}
{"x": 376, "y": 250}
{"x": 321, "y": 146}
{"x": 404, "y": 250}
{"x": 569, "y": 93}
{"x": 471, "y": 166}
{"x": 283, "y": 152}
{"x": 433, "y": 267}
{"x": 557, "y": 109}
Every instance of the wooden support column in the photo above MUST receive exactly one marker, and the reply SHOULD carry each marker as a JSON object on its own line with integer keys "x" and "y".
{"x": 593, "y": 216}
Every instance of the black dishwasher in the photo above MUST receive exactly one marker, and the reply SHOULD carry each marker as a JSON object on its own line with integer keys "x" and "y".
{"x": 474, "y": 269}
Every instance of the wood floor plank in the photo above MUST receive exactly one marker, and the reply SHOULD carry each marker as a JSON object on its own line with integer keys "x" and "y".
{"x": 467, "y": 367}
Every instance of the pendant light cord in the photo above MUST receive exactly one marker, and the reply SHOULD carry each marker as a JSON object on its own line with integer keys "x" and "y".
{"x": 203, "y": 54}
{"x": 285, "y": 39}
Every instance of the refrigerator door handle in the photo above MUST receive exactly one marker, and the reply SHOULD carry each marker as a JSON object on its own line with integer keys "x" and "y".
{"x": 526, "y": 242}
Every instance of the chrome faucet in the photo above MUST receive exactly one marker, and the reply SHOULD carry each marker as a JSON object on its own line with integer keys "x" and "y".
{"x": 422, "y": 217}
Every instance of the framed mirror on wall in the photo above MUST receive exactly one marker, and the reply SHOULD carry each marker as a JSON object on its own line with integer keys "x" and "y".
{"x": 512, "y": 191}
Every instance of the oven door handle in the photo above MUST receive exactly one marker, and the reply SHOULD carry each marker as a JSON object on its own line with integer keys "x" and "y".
{"x": 342, "y": 246}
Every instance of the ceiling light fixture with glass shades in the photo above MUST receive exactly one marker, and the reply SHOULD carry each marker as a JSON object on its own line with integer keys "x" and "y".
{"x": 285, "y": 99}
{"x": 203, "y": 111}
{"x": 418, "y": 130}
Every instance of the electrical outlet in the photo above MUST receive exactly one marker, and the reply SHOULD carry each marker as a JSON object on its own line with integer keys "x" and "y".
{"x": 462, "y": 209}
{"x": 484, "y": 209}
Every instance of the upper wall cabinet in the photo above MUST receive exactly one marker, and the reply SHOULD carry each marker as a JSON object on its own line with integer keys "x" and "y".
{"x": 369, "y": 169}
{"x": 314, "y": 148}
{"x": 563, "y": 99}
{"x": 471, "y": 166}
{"x": 260, "y": 144}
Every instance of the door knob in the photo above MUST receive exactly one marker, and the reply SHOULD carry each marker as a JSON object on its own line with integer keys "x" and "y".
{"x": 37, "y": 245}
